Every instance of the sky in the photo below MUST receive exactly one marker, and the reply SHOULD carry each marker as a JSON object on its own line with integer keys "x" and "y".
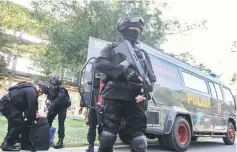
{"x": 211, "y": 46}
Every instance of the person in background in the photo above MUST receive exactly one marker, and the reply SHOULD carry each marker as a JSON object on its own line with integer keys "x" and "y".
{"x": 21, "y": 98}
{"x": 59, "y": 103}
{"x": 91, "y": 117}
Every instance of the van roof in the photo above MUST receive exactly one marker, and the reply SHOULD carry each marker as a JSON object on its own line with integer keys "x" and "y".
{"x": 172, "y": 60}
{"x": 164, "y": 56}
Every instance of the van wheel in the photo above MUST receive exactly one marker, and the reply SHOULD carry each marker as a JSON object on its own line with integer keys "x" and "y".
{"x": 230, "y": 135}
{"x": 194, "y": 138}
{"x": 180, "y": 137}
{"x": 123, "y": 136}
{"x": 163, "y": 142}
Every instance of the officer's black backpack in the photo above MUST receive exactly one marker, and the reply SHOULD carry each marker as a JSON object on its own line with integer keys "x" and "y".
{"x": 20, "y": 85}
{"x": 15, "y": 95}
{"x": 69, "y": 100}
{"x": 35, "y": 137}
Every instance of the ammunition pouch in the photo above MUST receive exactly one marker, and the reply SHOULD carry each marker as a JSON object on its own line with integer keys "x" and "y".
{"x": 99, "y": 109}
{"x": 100, "y": 114}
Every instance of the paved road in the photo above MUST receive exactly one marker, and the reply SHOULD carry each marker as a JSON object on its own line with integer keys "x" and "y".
{"x": 216, "y": 145}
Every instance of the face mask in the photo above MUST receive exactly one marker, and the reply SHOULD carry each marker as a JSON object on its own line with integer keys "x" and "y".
{"x": 131, "y": 35}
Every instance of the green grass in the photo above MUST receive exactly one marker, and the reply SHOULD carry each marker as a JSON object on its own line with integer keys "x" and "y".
{"x": 75, "y": 131}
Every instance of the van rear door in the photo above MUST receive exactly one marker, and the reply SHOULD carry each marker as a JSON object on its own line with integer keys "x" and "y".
{"x": 218, "y": 108}
{"x": 230, "y": 103}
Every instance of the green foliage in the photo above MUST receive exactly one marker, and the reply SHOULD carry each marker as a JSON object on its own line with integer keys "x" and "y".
{"x": 234, "y": 46}
{"x": 3, "y": 65}
{"x": 188, "y": 58}
{"x": 234, "y": 78}
{"x": 69, "y": 36}
{"x": 19, "y": 19}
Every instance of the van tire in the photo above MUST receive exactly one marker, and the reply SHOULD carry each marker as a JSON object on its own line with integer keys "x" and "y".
{"x": 230, "y": 135}
{"x": 123, "y": 136}
{"x": 179, "y": 138}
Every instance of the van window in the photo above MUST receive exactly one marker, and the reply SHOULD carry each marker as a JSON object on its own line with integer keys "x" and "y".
{"x": 218, "y": 91}
{"x": 166, "y": 74}
{"x": 194, "y": 82}
{"x": 228, "y": 97}
{"x": 213, "y": 91}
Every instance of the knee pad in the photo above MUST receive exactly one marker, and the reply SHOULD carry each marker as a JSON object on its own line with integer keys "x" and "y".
{"x": 107, "y": 139}
{"x": 139, "y": 144}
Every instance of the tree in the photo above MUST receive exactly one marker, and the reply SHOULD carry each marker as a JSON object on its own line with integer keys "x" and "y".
{"x": 77, "y": 20}
{"x": 20, "y": 19}
{"x": 189, "y": 59}
{"x": 234, "y": 46}
{"x": 69, "y": 35}
{"x": 234, "y": 79}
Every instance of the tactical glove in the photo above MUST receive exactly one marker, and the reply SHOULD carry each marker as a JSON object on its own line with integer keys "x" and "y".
{"x": 131, "y": 75}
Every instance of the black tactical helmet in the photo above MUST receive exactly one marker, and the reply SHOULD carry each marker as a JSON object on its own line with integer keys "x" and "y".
{"x": 55, "y": 80}
{"x": 44, "y": 86}
{"x": 131, "y": 22}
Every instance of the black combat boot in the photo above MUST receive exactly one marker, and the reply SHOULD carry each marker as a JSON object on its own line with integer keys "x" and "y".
{"x": 90, "y": 148}
{"x": 8, "y": 147}
{"x": 59, "y": 144}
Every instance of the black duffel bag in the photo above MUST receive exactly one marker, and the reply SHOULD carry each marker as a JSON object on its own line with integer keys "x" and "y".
{"x": 36, "y": 136}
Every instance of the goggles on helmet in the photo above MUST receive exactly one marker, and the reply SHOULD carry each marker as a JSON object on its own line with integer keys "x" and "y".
{"x": 137, "y": 20}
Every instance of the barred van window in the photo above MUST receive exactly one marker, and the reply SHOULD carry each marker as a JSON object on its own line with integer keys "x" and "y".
{"x": 218, "y": 91}
{"x": 213, "y": 91}
{"x": 194, "y": 82}
{"x": 228, "y": 97}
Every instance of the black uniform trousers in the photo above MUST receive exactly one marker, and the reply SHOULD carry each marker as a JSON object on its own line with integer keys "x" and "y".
{"x": 15, "y": 120}
{"x": 62, "y": 113}
{"x": 134, "y": 114}
{"x": 92, "y": 118}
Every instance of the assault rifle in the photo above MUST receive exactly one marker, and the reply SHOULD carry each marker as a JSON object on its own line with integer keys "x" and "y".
{"x": 127, "y": 51}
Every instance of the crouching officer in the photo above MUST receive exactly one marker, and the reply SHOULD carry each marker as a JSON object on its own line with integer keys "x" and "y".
{"x": 20, "y": 98}
{"x": 122, "y": 99}
{"x": 60, "y": 101}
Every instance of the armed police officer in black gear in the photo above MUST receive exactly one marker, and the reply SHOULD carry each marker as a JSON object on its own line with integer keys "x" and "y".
{"x": 92, "y": 118}
{"x": 122, "y": 99}
{"x": 20, "y": 98}
{"x": 60, "y": 101}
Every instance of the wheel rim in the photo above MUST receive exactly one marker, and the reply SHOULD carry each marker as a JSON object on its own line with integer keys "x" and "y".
{"x": 182, "y": 134}
{"x": 231, "y": 133}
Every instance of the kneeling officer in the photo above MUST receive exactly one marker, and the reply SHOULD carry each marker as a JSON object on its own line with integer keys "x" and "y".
{"x": 20, "y": 98}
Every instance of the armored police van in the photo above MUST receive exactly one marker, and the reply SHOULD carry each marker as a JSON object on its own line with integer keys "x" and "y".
{"x": 188, "y": 103}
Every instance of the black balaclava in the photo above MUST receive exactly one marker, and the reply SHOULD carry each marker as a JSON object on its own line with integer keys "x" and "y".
{"x": 131, "y": 35}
